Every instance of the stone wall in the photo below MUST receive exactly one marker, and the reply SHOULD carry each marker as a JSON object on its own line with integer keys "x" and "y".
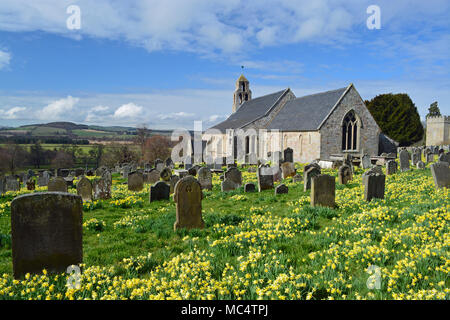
{"x": 331, "y": 130}
{"x": 438, "y": 131}
{"x": 306, "y": 145}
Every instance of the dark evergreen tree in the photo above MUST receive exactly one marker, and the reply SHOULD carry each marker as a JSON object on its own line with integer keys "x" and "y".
{"x": 397, "y": 116}
{"x": 433, "y": 110}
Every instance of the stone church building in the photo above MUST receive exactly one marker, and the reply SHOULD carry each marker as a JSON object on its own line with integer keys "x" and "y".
{"x": 315, "y": 126}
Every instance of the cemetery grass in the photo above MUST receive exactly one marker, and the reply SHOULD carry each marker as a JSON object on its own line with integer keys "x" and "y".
{"x": 256, "y": 246}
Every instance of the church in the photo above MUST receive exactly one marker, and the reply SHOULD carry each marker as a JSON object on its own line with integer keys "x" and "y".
{"x": 315, "y": 126}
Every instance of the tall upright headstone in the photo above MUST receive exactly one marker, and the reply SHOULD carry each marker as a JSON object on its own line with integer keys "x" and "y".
{"x": 441, "y": 174}
{"x": 313, "y": 171}
{"x": 323, "y": 191}
{"x": 234, "y": 175}
{"x": 288, "y": 155}
{"x": 374, "y": 184}
{"x": 404, "y": 160}
{"x": 84, "y": 189}
{"x": 205, "y": 178}
{"x": 159, "y": 191}
{"x": 46, "y": 232}
{"x": 101, "y": 189}
{"x": 135, "y": 181}
{"x": 288, "y": 169}
{"x": 188, "y": 198}
{"x": 265, "y": 177}
{"x": 345, "y": 174}
{"x": 391, "y": 167}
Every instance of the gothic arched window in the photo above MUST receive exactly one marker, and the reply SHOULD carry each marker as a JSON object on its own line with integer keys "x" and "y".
{"x": 350, "y": 132}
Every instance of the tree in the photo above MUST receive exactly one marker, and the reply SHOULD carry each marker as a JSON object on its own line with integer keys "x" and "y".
{"x": 62, "y": 159}
{"x": 397, "y": 117}
{"x": 157, "y": 147}
{"x": 118, "y": 154}
{"x": 433, "y": 110}
{"x": 37, "y": 155}
{"x": 142, "y": 134}
{"x": 14, "y": 157}
{"x": 96, "y": 154}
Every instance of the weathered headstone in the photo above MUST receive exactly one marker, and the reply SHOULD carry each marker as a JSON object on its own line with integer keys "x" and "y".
{"x": 126, "y": 171}
{"x": 205, "y": 178}
{"x": 288, "y": 169}
{"x": 249, "y": 187}
{"x": 159, "y": 191}
{"x": 159, "y": 165}
{"x": 165, "y": 174}
{"x": 169, "y": 163}
{"x": 42, "y": 181}
{"x": 234, "y": 175}
{"x": 416, "y": 156}
{"x": 345, "y": 174}
{"x": 288, "y": 155}
{"x": 297, "y": 178}
{"x": 46, "y": 232}
{"x": 153, "y": 176}
{"x": 420, "y": 165}
{"x": 441, "y": 174}
{"x": 101, "y": 189}
{"x": 229, "y": 185}
{"x": 188, "y": 198}
{"x": 313, "y": 171}
{"x": 323, "y": 191}
{"x": 404, "y": 160}
{"x": 265, "y": 178}
{"x": 391, "y": 167}
{"x": 69, "y": 181}
{"x": 366, "y": 162}
{"x": 135, "y": 181}
{"x": 281, "y": 189}
{"x": 430, "y": 157}
{"x": 57, "y": 184}
{"x": 107, "y": 176}
{"x": 374, "y": 184}
{"x": 12, "y": 185}
{"x": 173, "y": 181}
{"x": 84, "y": 189}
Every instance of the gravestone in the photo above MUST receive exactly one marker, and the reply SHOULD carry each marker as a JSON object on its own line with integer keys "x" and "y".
{"x": 205, "y": 178}
{"x": 265, "y": 177}
{"x": 374, "y": 184}
{"x": 169, "y": 163}
{"x": 12, "y": 185}
{"x": 46, "y": 232}
{"x": 126, "y": 171}
{"x": 2, "y": 185}
{"x": 228, "y": 185}
{"x": 107, "y": 176}
{"x": 159, "y": 191}
{"x": 182, "y": 173}
{"x": 69, "y": 181}
{"x": 91, "y": 172}
{"x": 153, "y": 176}
{"x": 310, "y": 165}
{"x": 416, "y": 156}
{"x": 79, "y": 172}
{"x": 441, "y": 174}
{"x": 391, "y": 167}
{"x": 135, "y": 182}
{"x": 276, "y": 171}
{"x": 313, "y": 171}
{"x": 297, "y": 178}
{"x": 173, "y": 181}
{"x": 42, "y": 181}
{"x": 57, "y": 184}
{"x": 365, "y": 162}
{"x": 249, "y": 187}
{"x": 288, "y": 155}
{"x": 84, "y": 189}
{"x": 404, "y": 160}
{"x": 234, "y": 175}
{"x": 288, "y": 169}
{"x": 323, "y": 191}
{"x": 159, "y": 165}
{"x": 444, "y": 157}
{"x": 192, "y": 171}
{"x": 188, "y": 198}
{"x": 281, "y": 189}
{"x": 31, "y": 184}
{"x": 101, "y": 189}
{"x": 165, "y": 174}
{"x": 420, "y": 165}
{"x": 430, "y": 157}
{"x": 345, "y": 174}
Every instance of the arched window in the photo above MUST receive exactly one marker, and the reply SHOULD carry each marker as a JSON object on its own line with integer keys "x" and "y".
{"x": 350, "y": 131}
{"x": 247, "y": 145}
{"x": 240, "y": 97}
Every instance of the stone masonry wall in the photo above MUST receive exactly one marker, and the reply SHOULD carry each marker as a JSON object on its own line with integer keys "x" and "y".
{"x": 331, "y": 130}
{"x": 438, "y": 131}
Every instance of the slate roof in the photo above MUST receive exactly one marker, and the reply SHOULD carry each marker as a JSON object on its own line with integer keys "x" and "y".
{"x": 306, "y": 113}
{"x": 250, "y": 111}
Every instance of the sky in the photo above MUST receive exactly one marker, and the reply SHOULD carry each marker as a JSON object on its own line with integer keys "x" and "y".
{"x": 165, "y": 64}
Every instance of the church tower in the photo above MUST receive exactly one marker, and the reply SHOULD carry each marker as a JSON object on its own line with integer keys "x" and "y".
{"x": 242, "y": 92}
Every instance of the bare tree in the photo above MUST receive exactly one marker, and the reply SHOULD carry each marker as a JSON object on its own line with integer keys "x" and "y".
{"x": 142, "y": 134}
{"x": 157, "y": 147}
{"x": 62, "y": 159}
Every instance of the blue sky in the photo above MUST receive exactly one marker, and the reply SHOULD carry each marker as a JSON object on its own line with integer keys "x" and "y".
{"x": 168, "y": 63}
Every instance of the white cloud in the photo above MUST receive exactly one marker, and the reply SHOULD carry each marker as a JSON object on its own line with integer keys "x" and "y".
{"x": 97, "y": 114}
{"x": 220, "y": 26}
{"x": 12, "y": 113}
{"x": 175, "y": 115}
{"x": 5, "y": 58}
{"x": 129, "y": 110}
{"x": 59, "y": 109}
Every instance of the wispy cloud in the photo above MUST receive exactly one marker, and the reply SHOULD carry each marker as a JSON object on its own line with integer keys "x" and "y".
{"x": 5, "y": 58}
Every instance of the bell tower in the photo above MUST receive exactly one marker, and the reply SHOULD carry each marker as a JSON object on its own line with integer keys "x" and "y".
{"x": 242, "y": 92}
